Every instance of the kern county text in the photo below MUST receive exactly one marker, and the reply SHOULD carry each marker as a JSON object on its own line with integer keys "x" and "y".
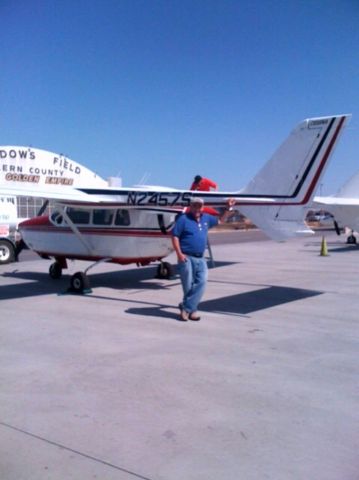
{"x": 25, "y": 165}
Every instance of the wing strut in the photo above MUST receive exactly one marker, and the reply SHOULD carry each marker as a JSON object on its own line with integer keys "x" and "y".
{"x": 75, "y": 230}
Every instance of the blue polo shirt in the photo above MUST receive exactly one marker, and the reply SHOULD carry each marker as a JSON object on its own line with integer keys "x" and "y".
{"x": 192, "y": 234}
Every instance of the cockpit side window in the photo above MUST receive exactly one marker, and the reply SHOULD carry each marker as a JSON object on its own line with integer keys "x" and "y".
{"x": 102, "y": 216}
{"x": 56, "y": 218}
{"x": 77, "y": 216}
{"x": 122, "y": 217}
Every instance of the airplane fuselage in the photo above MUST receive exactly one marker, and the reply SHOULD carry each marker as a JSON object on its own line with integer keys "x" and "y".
{"x": 120, "y": 235}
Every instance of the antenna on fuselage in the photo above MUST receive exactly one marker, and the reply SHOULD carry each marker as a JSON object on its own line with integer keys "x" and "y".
{"x": 144, "y": 179}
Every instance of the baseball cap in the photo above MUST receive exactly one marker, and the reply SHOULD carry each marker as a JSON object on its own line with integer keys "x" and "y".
{"x": 196, "y": 200}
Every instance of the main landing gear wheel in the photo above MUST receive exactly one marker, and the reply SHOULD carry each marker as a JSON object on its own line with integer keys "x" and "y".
{"x": 7, "y": 252}
{"x": 351, "y": 240}
{"x": 80, "y": 283}
{"x": 164, "y": 270}
{"x": 55, "y": 271}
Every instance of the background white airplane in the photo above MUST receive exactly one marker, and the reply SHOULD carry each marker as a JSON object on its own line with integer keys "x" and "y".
{"x": 344, "y": 206}
{"x": 124, "y": 225}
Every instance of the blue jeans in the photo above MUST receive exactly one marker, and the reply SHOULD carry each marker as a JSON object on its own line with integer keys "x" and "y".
{"x": 193, "y": 273}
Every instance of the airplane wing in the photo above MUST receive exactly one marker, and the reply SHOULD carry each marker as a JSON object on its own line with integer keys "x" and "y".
{"x": 275, "y": 199}
{"x": 335, "y": 201}
{"x": 344, "y": 210}
{"x": 137, "y": 197}
{"x": 51, "y": 192}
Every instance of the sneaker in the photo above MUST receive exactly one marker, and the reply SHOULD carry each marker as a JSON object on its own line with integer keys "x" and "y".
{"x": 194, "y": 316}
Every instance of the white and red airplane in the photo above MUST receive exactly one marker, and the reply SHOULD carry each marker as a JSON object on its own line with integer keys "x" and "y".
{"x": 132, "y": 225}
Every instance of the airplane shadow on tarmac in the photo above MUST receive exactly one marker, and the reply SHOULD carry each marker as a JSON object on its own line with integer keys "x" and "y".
{"x": 240, "y": 304}
{"x": 344, "y": 248}
{"x": 250, "y": 302}
{"x": 39, "y": 283}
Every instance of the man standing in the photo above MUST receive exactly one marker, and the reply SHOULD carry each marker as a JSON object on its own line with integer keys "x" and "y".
{"x": 189, "y": 239}
{"x": 203, "y": 184}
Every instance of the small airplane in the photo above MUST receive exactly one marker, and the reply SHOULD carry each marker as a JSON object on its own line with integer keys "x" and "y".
{"x": 132, "y": 225}
{"x": 344, "y": 206}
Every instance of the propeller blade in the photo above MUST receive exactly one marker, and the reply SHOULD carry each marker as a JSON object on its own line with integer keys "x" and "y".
{"x": 336, "y": 227}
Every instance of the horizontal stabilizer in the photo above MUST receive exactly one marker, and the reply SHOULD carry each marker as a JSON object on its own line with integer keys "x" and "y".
{"x": 336, "y": 201}
{"x": 278, "y": 227}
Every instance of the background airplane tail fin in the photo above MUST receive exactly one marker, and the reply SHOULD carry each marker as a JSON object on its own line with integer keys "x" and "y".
{"x": 292, "y": 175}
{"x": 350, "y": 189}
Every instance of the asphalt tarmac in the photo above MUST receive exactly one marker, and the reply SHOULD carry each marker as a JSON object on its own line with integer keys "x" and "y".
{"x": 110, "y": 385}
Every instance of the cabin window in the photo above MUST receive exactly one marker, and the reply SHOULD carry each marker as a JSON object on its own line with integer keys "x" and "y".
{"x": 102, "y": 217}
{"x": 122, "y": 217}
{"x": 80, "y": 217}
{"x": 56, "y": 218}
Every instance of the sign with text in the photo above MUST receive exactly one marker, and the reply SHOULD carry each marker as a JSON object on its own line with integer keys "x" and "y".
{"x": 32, "y": 165}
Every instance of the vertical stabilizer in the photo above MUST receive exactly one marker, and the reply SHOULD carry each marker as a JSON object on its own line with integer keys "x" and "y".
{"x": 292, "y": 175}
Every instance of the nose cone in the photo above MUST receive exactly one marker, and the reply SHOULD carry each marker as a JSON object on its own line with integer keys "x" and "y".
{"x": 34, "y": 223}
{"x": 35, "y": 232}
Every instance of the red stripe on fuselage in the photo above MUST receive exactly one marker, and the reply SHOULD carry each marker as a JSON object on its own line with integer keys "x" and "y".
{"x": 43, "y": 225}
{"x": 120, "y": 260}
{"x": 97, "y": 231}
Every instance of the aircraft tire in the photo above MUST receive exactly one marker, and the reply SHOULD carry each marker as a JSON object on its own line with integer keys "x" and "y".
{"x": 351, "y": 240}
{"x": 79, "y": 282}
{"x": 164, "y": 271}
{"x": 55, "y": 271}
{"x": 7, "y": 252}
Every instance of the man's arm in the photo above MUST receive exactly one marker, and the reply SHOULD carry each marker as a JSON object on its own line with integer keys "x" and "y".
{"x": 228, "y": 211}
{"x": 213, "y": 184}
{"x": 181, "y": 257}
{"x": 175, "y": 236}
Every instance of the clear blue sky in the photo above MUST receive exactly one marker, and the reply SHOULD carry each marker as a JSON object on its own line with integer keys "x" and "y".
{"x": 176, "y": 88}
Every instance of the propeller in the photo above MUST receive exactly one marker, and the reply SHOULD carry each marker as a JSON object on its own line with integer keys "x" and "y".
{"x": 336, "y": 227}
{"x": 43, "y": 208}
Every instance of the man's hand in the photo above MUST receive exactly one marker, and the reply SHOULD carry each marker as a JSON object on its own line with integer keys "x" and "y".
{"x": 181, "y": 257}
{"x": 228, "y": 211}
{"x": 176, "y": 245}
{"x": 230, "y": 203}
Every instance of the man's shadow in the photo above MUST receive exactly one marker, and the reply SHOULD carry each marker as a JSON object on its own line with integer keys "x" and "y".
{"x": 155, "y": 311}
